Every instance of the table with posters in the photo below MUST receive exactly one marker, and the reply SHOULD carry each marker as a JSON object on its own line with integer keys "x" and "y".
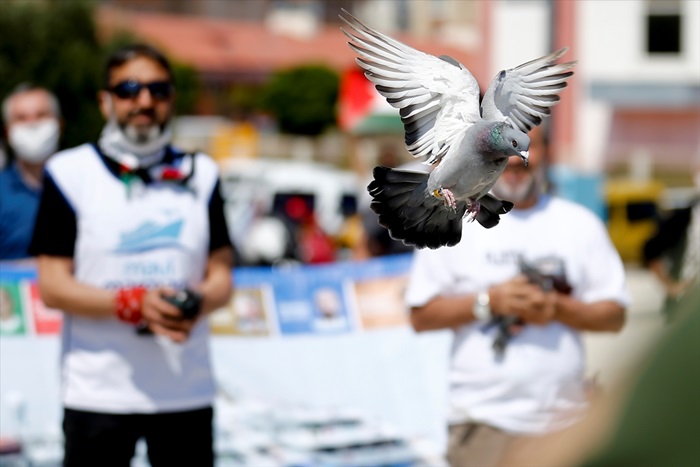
{"x": 334, "y": 335}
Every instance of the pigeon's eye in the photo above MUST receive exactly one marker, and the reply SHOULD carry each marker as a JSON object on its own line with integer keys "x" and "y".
{"x": 514, "y": 143}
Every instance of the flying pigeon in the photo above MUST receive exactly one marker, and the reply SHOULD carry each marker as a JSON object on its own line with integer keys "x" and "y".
{"x": 438, "y": 100}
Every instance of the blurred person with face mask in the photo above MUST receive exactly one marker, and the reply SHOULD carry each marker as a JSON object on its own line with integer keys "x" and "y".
{"x": 132, "y": 245}
{"x": 517, "y": 362}
{"x": 33, "y": 122}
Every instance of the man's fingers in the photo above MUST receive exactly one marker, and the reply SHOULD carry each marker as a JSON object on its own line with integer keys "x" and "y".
{"x": 167, "y": 309}
{"x": 519, "y": 306}
{"x": 517, "y": 297}
{"x": 165, "y": 291}
{"x": 154, "y": 304}
{"x": 519, "y": 279}
{"x": 176, "y": 335}
{"x": 175, "y": 325}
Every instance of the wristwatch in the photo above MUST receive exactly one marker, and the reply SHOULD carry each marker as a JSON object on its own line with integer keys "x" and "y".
{"x": 481, "y": 308}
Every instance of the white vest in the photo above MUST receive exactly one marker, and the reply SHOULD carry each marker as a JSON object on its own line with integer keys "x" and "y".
{"x": 149, "y": 235}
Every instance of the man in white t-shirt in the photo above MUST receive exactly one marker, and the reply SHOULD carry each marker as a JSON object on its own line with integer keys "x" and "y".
{"x": 533, "y": 383}
{"x": 132, "y": 244}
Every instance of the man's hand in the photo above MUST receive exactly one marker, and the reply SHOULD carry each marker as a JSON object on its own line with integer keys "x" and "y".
{"x": 518, "y": 297}
{"x": 164, "y": 318}
{"x": 676, "y": 289}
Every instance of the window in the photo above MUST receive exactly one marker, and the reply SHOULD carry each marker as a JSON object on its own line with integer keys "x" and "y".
{"x": 664, "y": 27}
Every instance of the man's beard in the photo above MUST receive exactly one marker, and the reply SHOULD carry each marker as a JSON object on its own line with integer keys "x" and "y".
{"x": 142, "y": 142}
{"x": 143, "y": 134}
{"x": 520, "y": 191}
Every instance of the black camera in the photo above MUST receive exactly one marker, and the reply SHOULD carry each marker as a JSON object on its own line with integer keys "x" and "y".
{"x": 188, "y": 302}
{"x": 549, "y": 274}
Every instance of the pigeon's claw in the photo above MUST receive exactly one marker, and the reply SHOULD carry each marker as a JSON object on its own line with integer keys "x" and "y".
{"x": 473, "y": 209}
{"x": 450, "y": 200}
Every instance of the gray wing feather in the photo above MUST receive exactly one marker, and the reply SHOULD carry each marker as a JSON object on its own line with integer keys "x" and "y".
{"x": 436, "y": 97}
{"x": 524, "y": 95}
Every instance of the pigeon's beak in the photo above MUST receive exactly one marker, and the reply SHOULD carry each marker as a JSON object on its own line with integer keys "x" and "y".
{"x": 525, "y": 156}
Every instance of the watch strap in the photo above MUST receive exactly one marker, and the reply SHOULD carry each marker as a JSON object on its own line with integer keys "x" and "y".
{"x": 482, "y": 308}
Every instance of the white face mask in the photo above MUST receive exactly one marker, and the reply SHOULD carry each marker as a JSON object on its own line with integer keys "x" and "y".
{"x": 34, "y": 142}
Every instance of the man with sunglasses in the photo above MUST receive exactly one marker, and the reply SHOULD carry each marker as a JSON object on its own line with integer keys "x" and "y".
{"x": 516, "y": 297}
{"x": 133, "y": 246}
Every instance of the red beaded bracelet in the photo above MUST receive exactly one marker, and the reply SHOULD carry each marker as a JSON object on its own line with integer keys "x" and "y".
{"x": 128, "y": 302}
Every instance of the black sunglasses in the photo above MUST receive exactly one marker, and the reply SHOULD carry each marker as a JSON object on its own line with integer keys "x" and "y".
{"x": 130, "y": 89}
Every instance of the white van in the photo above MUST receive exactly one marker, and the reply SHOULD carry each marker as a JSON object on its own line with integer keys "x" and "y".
{"x": 255, "y": 188}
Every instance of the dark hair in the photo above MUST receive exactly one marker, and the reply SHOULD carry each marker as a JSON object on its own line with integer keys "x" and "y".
{"x": 130, "y": 52}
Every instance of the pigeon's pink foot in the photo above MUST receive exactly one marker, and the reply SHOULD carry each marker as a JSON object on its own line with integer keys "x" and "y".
{"x": 473, "y": 208}
{"x": 450, "y": 200}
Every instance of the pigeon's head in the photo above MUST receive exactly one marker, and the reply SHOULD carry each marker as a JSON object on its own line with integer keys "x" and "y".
{"x": 515, "y": 143}
{"x": 504, "y": 139}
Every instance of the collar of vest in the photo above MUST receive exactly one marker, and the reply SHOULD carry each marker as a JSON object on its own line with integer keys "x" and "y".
{"x": 175, "y": 166}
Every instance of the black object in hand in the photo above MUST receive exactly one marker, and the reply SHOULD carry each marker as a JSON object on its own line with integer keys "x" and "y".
{"x": 549, "y": 274}
{"x": 188, "y": 302}
{"x": 503, "y": 336}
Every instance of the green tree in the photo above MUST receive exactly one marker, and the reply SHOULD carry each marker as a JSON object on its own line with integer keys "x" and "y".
{"x": 55, "y": 44}
{"x": 188, "y": 87}
{"x": 302, "y": 99}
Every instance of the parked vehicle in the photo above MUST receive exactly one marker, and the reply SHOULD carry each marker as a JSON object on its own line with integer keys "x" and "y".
{"x": 257, "y": 190}
{"x": 633, "y": 213}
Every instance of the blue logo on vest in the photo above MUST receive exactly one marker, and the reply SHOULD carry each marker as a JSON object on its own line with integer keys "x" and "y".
{"x": 150, "y": 236}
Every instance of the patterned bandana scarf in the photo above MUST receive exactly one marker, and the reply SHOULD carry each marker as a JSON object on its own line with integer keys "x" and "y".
{"x": 153, "y": 161}
{"x": 115, "y": 145}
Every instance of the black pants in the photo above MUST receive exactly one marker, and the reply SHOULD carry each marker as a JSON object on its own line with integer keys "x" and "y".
{"x": 109, "y": 440}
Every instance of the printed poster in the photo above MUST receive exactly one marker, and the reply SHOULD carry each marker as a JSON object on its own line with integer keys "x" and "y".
{"x": 247, "y": 314}
{"x": 312, "y": 300}
{"x": 380, "y": 302}
{"x": 12, "y": 317}
{"x": 378, "y": 291}
{"x": 46, "y": 320}
{"x": 318, "y": 299}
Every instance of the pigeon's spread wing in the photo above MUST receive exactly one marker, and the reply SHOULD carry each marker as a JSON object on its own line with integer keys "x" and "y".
{"x": 437, "y": 97}
{"x": 525, "y": 95}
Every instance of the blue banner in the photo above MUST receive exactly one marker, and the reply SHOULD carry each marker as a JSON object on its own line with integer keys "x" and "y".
{"x": 292, "y": 300}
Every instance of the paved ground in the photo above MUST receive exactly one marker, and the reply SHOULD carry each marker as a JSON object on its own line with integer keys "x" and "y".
{"x": 611, "y": 356}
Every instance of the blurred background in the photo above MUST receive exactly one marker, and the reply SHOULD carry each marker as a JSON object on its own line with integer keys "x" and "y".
{"x": 270, "y": 89}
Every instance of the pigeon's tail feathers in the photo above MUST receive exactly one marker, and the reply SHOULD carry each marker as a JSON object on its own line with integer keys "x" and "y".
{"x": 409, "y": 213}
{"x": 491, "y": 210}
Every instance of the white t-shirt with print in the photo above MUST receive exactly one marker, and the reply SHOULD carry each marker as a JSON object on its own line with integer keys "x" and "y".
{"x": 538, "y": 384}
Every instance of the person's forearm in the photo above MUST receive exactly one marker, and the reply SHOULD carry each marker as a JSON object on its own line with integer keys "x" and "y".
{"x": 60, "y": 290}
{"x": 443, "y": 313}
{"x": 674, "y": 288}
{"x": 217, "y": 286}
{"x": 216, "y": 292}
{"x": 658, "y": 267}
{"x": 598, "y": 316}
